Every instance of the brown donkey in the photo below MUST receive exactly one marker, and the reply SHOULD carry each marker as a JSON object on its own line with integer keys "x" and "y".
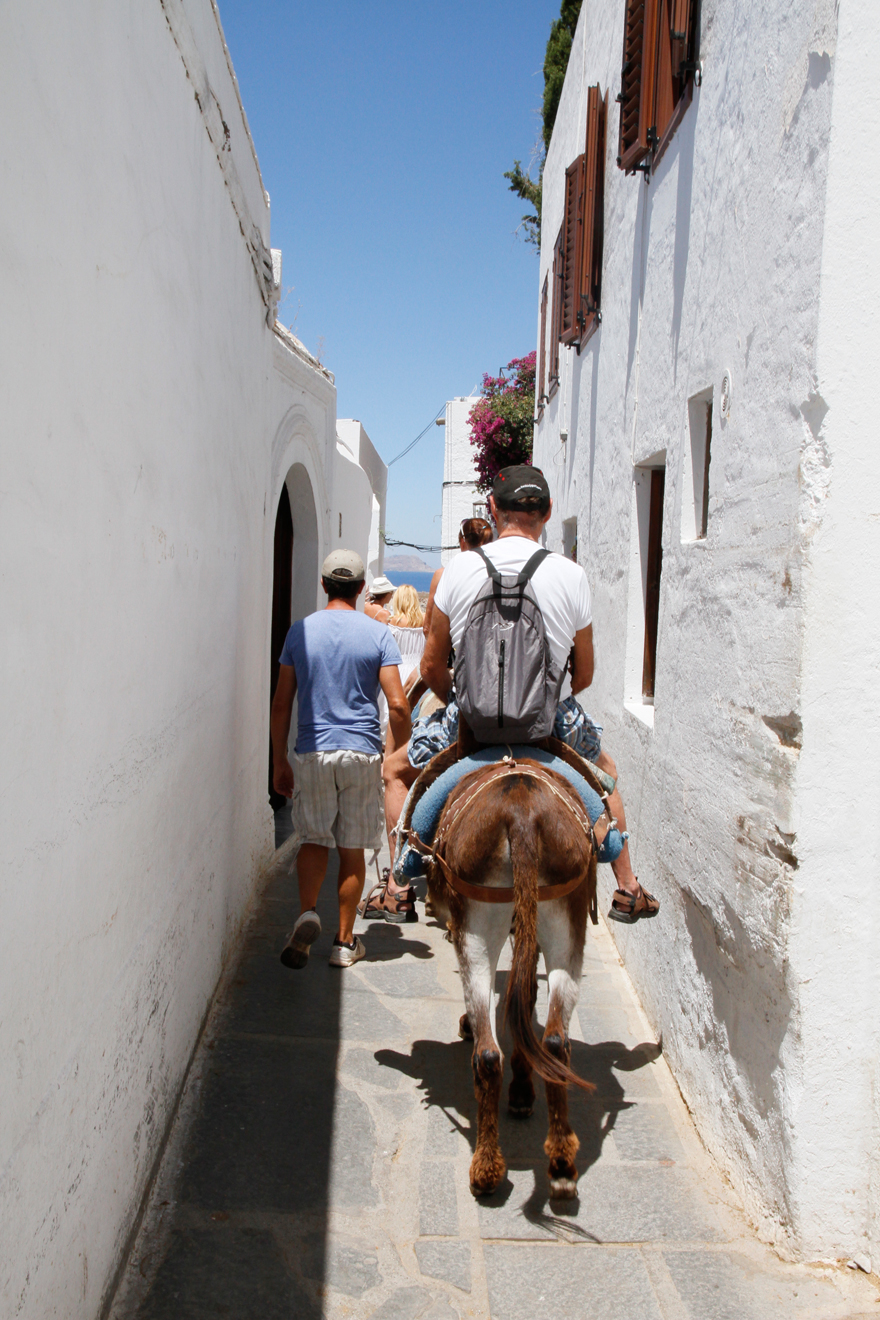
{"x": 515, "y": 838}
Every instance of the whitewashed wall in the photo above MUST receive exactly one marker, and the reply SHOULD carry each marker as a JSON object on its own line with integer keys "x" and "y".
{"x": 366, "y": 492}
{"x": 750, "y": 252}
{"x": 149, "y": 418}
{"x": 460, "y": 492}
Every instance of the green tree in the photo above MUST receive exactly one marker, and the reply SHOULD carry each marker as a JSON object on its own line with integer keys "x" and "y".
{"x": 556, "y": 56}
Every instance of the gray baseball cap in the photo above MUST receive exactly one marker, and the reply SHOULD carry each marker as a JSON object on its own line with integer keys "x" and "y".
{"x": 343, "y": 566}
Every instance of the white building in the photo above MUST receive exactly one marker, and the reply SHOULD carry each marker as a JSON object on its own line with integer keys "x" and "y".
{"x": 461, "y": 499}
{"x": 153, "y": 416}
{"x": 737, "y": 634}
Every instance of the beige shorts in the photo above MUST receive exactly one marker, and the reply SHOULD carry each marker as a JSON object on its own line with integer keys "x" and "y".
{"x": 337, "y": 798}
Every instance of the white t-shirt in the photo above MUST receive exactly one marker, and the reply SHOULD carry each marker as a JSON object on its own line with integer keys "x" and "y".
{"x": 560, "y": 586}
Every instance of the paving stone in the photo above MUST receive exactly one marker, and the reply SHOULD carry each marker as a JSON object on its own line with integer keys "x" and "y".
{"x": 617, "y": 1203}
{"x": 547, "y": 1283}
{"x": 448, "y": 1132}
{"x": 722, "y": 1286}
{"x": 438, "y": 1210}
{"x": 361, "y": 1063}
{"x": 405, "y": 1304}
{"x": 449, "y": 1261}
{"x": 263, "y": 1137}
{"x": 646, "y": 1132}
{"x": 347, "y": 1266}
{"x": 319, "y": 1002}
{"x": 236, "y": 1273}
{"x": 404, "y": 979}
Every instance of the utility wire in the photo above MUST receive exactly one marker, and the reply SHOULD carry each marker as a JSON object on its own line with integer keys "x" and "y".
{"x": 403, "y": 453}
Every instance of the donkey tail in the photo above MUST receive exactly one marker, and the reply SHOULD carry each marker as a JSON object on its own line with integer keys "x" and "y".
{"x": 522, "y": 982}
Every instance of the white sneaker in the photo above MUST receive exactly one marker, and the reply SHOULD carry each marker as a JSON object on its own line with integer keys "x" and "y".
{"x": 346, "y": 955}
{"x": 307, "y": 929}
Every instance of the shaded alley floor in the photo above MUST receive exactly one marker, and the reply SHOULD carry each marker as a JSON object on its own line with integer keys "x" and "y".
{"x": 318, "y": 1166}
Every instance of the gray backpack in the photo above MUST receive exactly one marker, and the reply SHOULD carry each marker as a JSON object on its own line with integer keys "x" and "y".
{"x": 506, "y": 681}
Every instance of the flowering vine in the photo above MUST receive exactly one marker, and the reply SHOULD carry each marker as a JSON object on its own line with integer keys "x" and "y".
{"x": 502, "y": 422}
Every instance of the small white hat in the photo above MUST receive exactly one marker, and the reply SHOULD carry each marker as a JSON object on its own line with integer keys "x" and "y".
{"x": 380, "y": 586}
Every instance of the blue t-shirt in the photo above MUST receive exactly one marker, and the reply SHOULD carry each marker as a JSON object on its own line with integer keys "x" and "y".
{"x": 337, "y": 655}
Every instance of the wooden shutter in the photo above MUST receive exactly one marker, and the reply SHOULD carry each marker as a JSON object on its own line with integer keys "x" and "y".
{"x": 556, "y": 310}
{"x": 681, "y": 15}
{"x": 637, "y": 82}
{"x": 592, "y": 231}
{"x": 542, "y": 347}
{"x": 572, "y": 250}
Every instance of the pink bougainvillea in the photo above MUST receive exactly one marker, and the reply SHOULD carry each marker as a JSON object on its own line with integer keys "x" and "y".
{"x": 502, "y": 422}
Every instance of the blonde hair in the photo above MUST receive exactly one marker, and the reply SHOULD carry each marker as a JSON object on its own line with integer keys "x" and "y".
{"x": 405, "y": 604}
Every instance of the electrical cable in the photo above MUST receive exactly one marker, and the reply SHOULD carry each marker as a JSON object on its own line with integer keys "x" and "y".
{"x": 412, "y": 444}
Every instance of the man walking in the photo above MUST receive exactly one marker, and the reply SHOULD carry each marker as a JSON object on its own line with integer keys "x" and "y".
{"x": 335, "y": 661}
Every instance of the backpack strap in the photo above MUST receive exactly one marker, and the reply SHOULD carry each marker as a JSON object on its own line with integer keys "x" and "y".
{"x": 536, "y": 561}
{"x": 524, "y": 575}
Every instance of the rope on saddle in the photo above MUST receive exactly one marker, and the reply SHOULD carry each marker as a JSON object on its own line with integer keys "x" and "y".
{"x": 504, "y": 894}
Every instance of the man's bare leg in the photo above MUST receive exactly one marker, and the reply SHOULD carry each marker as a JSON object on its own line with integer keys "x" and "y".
{"x": 352, "y": 873}
{"x": 399, "y": 777}
{"x": 622, "y": 867}
{"x": 311, "y": 867}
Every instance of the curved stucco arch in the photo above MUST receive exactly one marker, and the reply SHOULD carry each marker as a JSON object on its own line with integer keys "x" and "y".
{"x": 296, "y": 463}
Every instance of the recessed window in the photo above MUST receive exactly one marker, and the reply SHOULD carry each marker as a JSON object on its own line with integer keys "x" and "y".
{"x": 695, "y": 476}
{"x": 646, "y": 565}
{"x": 570, "y": 538}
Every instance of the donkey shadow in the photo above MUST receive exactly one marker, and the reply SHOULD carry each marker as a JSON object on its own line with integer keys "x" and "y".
{"x": 442, "y": 1070}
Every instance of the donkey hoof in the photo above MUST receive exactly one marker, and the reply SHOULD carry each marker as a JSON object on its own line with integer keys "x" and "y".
{"x": 520, "y": 1111}
{"x": 563, "y": 1189}
{"x": 487, "y": 1174}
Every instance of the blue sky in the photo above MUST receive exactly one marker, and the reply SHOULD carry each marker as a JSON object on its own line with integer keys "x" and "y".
{"x": 383, "y": 131}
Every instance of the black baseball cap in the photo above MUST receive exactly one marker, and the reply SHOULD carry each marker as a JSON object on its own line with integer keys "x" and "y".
{"x": 521, "y": 487}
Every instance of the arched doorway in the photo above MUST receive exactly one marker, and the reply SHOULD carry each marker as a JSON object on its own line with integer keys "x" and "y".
{"x": 295, "y": 576}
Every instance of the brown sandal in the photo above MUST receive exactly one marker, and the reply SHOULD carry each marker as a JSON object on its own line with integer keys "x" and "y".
{"x": 399, "y": 908}
{"x": 631, "y": 908}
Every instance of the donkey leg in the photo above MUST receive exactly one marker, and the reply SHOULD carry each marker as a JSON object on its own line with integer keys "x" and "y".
{"x": 563, "y": 957}
{"x": 479, "y": 947}
{"x": 521, "y": 1096}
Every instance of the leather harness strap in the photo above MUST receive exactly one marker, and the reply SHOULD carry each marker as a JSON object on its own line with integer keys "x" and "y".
{"x": 493, "y": 893}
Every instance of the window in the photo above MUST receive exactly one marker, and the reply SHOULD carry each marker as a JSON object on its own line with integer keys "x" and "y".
{"x": 542, "y": 349}
{"x": 556, "y": 315}
{"x": 583, "y": 229}
{"x": 481, "y": 510}
{"x": 695, "y": 483}
{"x": 570, "y": 538}
{"x": 660, "y": 42}
{"x": 646, "y": 564}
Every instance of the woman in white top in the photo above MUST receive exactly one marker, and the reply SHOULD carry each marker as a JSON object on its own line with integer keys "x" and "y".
{"x": 406, "y": 628}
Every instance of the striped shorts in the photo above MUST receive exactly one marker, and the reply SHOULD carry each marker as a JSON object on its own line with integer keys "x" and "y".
{"x": 337, "y": 798}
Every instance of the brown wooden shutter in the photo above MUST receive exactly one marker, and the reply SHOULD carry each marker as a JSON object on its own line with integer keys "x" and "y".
{"x": 542, "y": 347}
{"x": 556, "y": 310}
{"x": 682, "y": 16}
{"x": 592, "y": 233}
{"x": 572, "y": 250}
{"x": 637, "y": 82}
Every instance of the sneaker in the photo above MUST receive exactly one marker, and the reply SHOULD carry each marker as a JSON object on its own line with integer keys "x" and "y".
{"x": 296, "y": 951}
{"x": 346, "y": 955}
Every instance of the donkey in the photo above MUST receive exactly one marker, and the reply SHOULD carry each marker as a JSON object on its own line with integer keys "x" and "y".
{"x": 515, "y": 838}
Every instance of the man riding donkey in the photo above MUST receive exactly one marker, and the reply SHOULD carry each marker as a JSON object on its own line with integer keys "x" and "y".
{"x": 520, "y": 505}
{"x": 511, "y": 820}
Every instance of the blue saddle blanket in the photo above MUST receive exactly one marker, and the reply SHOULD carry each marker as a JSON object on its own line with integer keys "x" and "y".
{"x": 426, "y": 814}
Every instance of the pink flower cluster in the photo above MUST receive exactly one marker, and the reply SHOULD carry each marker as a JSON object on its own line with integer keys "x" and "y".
{"x": 502, "y": 422}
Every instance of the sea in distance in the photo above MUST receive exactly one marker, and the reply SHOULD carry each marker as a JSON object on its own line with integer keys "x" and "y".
{"x": 421, "y": 581}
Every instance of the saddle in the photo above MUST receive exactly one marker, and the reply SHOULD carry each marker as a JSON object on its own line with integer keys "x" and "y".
{"x": 412, "y": 849}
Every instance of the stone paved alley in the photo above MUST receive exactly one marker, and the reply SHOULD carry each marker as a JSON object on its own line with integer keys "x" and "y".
{"x": 319, "y": 1163}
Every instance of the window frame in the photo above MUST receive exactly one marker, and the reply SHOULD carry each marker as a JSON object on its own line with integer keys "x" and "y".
{"x": 660, "y": 58}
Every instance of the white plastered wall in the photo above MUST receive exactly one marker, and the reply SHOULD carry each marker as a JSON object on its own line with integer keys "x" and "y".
{"x": 459, "y": 475}
{"x": 718, "y": 266}
{"x": 150, "y": 417}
